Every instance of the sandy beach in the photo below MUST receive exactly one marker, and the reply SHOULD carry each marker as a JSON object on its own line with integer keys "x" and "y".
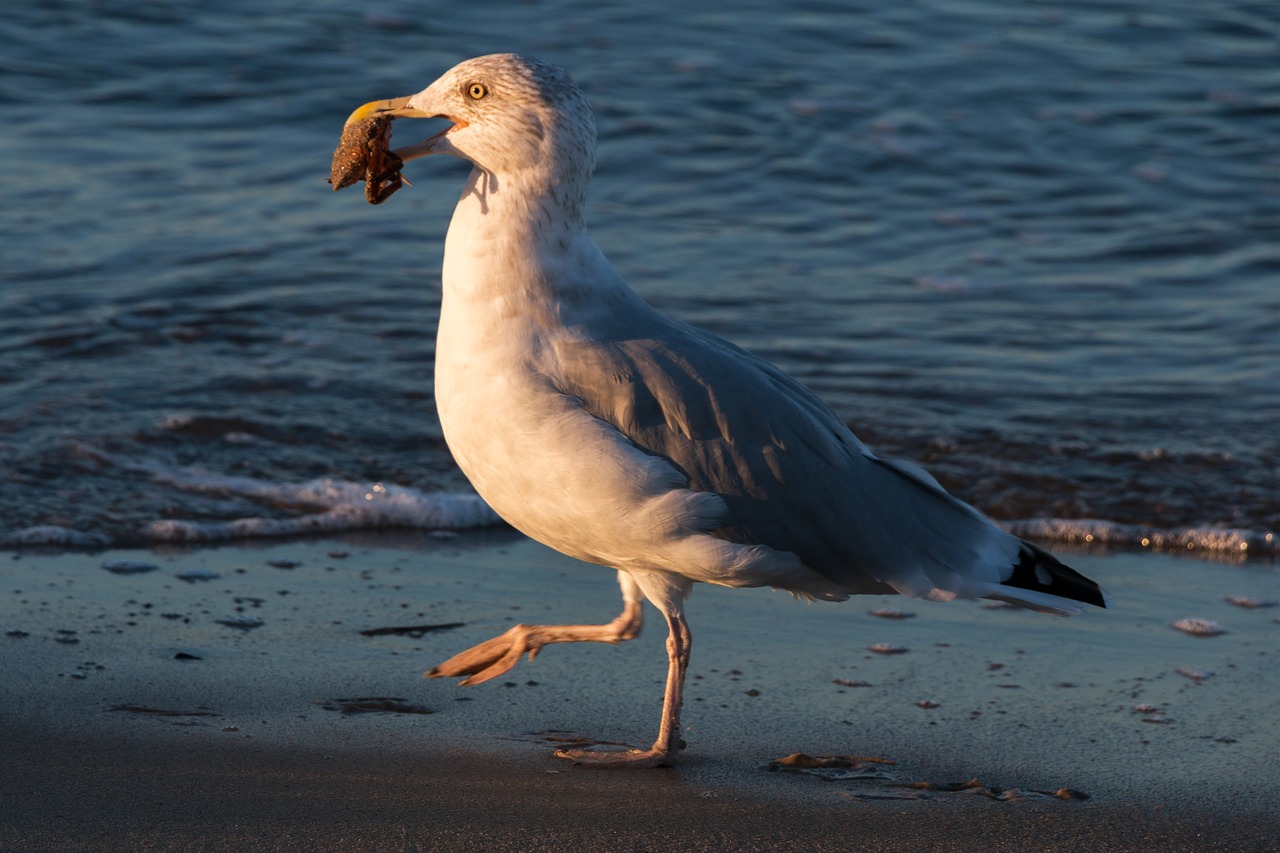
{"x": 227, "y": 699}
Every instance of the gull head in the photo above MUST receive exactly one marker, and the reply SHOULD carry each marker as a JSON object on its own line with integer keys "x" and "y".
{"x": 510, "y": 113}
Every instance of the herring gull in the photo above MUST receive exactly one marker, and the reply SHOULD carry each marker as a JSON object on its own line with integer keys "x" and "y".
{"x": 618, "y": 436}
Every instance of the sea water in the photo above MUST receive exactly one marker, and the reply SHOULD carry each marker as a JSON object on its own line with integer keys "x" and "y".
{"x": 1032, "y": 246}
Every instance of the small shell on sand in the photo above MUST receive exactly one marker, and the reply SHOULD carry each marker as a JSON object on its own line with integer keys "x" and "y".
{"x": 804, "y": 760}
{"x": 1152, "y": 714}
{"x": 887, "y": 649}
{"x": 891, "y": 613}
{"x": 1194, "y": 673}
{"x": 1247, "y": 602}
{"x": 1199, "y": 627}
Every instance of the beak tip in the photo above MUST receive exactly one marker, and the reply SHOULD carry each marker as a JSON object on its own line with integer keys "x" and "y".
{"x": 390, "y": 108}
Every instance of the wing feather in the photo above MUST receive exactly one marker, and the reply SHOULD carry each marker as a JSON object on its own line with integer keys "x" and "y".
{"x": 793, "y": 476}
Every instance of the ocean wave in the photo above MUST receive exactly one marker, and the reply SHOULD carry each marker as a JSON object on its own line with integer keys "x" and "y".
{"x": 332, "y": 505}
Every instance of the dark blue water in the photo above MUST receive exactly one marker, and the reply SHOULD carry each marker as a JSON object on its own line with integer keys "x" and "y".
{"x": 1033, "y": 246}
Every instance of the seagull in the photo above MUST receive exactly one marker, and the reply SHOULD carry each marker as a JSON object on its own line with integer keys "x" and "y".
{"x": 619, "y": 436}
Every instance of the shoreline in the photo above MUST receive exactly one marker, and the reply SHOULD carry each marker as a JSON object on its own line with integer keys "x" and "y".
{"x": 1020, "y": 701}
{"x": 148, "y": 794}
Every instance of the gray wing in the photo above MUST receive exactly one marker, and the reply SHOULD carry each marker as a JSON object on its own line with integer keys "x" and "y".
{"x": 791, "y": 473}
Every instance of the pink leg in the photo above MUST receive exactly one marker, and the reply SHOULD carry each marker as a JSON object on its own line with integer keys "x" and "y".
{"x": 668, "y": 596}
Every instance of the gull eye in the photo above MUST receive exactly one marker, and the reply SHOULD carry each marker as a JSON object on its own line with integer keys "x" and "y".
{"x": 476, "y": 91}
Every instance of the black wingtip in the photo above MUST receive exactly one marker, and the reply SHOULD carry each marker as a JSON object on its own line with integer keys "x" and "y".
{"x": 1040, "y": 571}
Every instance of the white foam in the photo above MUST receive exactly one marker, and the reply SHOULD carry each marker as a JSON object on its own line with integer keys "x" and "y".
{"x": 52, "y": 534}
{"x": 1212, "y": 542}
{"x": 330, "y": 505}
{"x": 325, "y": 505}
{"x": 334, "y": 505}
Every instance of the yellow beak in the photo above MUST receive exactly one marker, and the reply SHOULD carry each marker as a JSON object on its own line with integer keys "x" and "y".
{"x": 393, "y": 108}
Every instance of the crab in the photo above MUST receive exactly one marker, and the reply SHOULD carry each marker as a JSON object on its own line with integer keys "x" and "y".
{"x": 364, "y": 154}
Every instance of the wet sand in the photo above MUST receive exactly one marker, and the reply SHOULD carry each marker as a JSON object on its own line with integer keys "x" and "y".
{"x": 138, "y": 718}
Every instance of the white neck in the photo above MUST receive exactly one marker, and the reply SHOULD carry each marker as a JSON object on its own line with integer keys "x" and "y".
{"x": 521, "y": 278}
{"x": 518, "y": 243}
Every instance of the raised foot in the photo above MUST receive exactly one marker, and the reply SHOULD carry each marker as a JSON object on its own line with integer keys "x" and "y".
{"x": 631, "y": 759}
{"x": 492, "y": 657}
